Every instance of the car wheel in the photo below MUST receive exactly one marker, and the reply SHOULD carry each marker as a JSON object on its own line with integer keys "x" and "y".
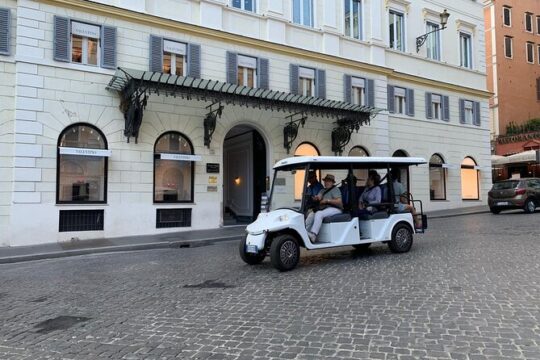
{"x": 494, "y": 210}
{"x": 284, "y": 252}
{"x": 362, "y": 247}
{"x": 249, "y": 258}
{"x": 402, "y": 239}
{"x": 530, "y": 206}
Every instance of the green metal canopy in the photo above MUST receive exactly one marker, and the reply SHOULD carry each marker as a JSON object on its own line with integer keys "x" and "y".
{"x": 134, "y": 87}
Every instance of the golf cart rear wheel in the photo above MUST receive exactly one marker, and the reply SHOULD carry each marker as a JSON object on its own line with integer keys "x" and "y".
{"x": 249, "y": 258}
{"x": 402, "y": 239}
{"x": 284, "y": 252}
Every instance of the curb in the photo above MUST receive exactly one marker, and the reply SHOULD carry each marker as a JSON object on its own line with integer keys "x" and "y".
{"x": 118, "y": 248}
{"x": 458, "y": 214}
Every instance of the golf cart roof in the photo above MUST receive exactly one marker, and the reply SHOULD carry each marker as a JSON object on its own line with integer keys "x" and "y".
{"x": 343, "y": 162}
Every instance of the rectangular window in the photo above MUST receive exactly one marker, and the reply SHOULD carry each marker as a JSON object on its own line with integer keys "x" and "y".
{"x": 538, "y": 25}
{"x": 433, "y": 42}
{"x": 508, "y": 46}
{"x": 358, "y": 91}
{"x": 528, "y": 22}
{"x": 85, "y": 43}
{"x": 399, "y": 100}
{"x": 465, "y": 47}
{"x": 248, "y": 5}
{"x": 306, "y": 80}
{"x": 530, "y": 52}
{"x": 436, "y": 106}
{"x": 247, "y": 71}
{"x": 353, "y": 18}
{"x": 437, "y": 179}
{"x": 469, "y": 112}
{"x": 80, "y": 220}
{"x": 538, "y": 53}
{"x": 169, "y": 218}
{"x": 174, "y": 58}
{"x": 396, "y": 30}
{"x": 303, "y": 12}
{"x": 507, "y": 16}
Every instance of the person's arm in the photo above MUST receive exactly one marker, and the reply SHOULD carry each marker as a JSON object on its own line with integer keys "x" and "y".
{"x": 333, "y": 202}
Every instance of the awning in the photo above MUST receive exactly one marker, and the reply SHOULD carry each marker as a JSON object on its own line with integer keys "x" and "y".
{"x": 134, "y": 86}
{"x": 522, "y": 157}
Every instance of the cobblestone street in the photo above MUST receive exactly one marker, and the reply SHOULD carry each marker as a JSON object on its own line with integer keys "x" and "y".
{"x": 468, "y": 289}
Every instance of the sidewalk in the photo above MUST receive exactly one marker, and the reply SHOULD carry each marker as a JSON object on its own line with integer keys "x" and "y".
{"x": 192, "y": 238}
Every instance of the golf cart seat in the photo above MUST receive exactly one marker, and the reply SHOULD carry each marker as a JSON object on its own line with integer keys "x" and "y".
{"x": 375, "y": 216}
{"x": 337, "y": 218}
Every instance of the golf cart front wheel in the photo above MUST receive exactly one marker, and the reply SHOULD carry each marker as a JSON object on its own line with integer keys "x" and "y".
{"x": 402, "y": 239}
{"x": 284, "y": 252}
{"x": 249, "y": 258}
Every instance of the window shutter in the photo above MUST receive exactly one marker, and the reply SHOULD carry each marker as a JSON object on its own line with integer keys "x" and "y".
{"x": 538, "y": 89}
{"x": 477, "y": 113}
{"x": 194, "y": 61}
{"x": 429, "y": 108}
{"x": 370, "y": 92}
{"x": 320, "y": 83}
{"x": 232, "y": 68}
{"x": 5, "y": 27}
{"x": 294, "y": 79}
{"x": 462, "y": 111}
{"x": 108, "y": 47}
{"x": 156, "y": 53}
{"x": 410, "y": 102}
{"x": 61, "y": 39}
{"x": 446, "y": 108}
{"x": 347, "y": 88}
{"x": 390, "y": 95}
{"x": 263, "y": 73}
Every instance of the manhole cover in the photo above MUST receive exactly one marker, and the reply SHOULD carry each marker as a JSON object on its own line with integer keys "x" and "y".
{"x": 59, "y": 323}
{"x": 209, "y": 284}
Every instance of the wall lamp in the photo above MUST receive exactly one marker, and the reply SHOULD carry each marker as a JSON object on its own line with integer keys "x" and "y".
{"x": 422, "y": 38}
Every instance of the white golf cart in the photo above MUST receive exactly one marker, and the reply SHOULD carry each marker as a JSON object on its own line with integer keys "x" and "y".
{"x": 279, "y": 230}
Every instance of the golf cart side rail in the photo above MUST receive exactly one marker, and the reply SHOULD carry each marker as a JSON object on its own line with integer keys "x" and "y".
{"x": 346, "y": 161}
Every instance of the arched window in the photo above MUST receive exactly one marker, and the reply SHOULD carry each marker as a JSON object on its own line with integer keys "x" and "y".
{"x": 437, "y": 178}
{"x": 469, "y": 180}
{"x": 304, "y": 149}
{"x": 81, "y": 171}
{"x": 360, "y": 174}
{"x": 173, "y": 173}
{"x": 358, "y": 151}
{"x": 400, "y": 153}
{"x": 403, "y": 173}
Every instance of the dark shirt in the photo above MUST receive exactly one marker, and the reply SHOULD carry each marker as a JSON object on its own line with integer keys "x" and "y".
{"x": 314, "y": 189}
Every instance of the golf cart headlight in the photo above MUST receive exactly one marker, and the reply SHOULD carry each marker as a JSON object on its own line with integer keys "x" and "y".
{"x": 284, "y": 218}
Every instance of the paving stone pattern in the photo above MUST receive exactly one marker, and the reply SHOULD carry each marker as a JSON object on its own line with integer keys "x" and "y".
{"x": 469, "y": 289}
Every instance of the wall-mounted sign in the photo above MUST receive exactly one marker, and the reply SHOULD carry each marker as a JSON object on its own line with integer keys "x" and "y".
{"x": 85, "y": 152}
{"x": 211, "y": 188}
{"x": 85, "y": 30}
{"x": 212, "y": 179}
{"x": 174, "y": 47}
{"x": 212, "y": 168}
{"x": 180, "y": 157}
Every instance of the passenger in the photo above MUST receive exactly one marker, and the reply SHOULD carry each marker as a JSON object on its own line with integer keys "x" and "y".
{"x": 330, "y": 204}
{"x": 401, "y": 201}
{"x": 314, "y": 186}
{"x": 371, "y": 194}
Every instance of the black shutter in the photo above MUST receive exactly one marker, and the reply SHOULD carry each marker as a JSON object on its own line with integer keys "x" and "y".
{"x": 108, "y": 47}
{"x": 410, "y": 102}
{"x": 232, "y": 68}
{"x": 61, "y": 39}
{"x": 370, "y": 92}
{"x": 294, "y": 75}
{"x": 347, "y": 88}
{"x": 462, "y": 111}
{"x": 194, "y": 60}
{"x": 446, "y": 108}
{"x": 5, "y": 33}
{"x": 538, "y": 88}
{"x": 390, "y": 99}
{"x": 429, "y": 107}
{"x": 156, "y": 53}
{"x": 320, "y": 83}
{"x": 263, "y": 73}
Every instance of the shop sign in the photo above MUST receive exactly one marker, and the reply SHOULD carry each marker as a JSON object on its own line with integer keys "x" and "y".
{"x": 85, "y": 152}
{"x": 180, "y": 157}
{"x": 212, "y": 168}
{"x": 211, "y": 188}
{"x": 212, "y": 179}
{"x": 85, "y": 30}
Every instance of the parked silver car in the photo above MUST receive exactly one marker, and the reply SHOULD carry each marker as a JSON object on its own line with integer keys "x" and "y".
{"x": 515, "y": 194}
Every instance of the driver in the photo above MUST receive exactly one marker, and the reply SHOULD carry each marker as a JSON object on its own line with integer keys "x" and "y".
{"x": 329, "y": 204}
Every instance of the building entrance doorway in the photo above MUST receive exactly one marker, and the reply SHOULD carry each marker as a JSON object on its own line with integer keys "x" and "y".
{"x": 244, "y": 175}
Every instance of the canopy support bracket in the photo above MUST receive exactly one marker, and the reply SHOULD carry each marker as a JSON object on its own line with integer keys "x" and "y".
{"x": 290, "y": 131}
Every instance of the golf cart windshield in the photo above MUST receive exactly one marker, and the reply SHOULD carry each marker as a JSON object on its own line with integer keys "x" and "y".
{"x": 287, "y": 189}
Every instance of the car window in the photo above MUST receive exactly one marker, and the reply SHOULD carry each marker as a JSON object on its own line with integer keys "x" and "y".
{"x": 505, "y": 185}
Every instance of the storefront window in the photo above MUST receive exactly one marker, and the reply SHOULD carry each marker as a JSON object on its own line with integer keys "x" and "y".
{"x": 82, "y": 165}
{"x": 173, "y": 176}
{"x": 437, "y": 178}
{"x": 305, "y": 149}
{"x": 469, "y": 180}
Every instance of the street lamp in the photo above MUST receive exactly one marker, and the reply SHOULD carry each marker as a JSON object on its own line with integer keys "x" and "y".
{"x": 422, "y": 38}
